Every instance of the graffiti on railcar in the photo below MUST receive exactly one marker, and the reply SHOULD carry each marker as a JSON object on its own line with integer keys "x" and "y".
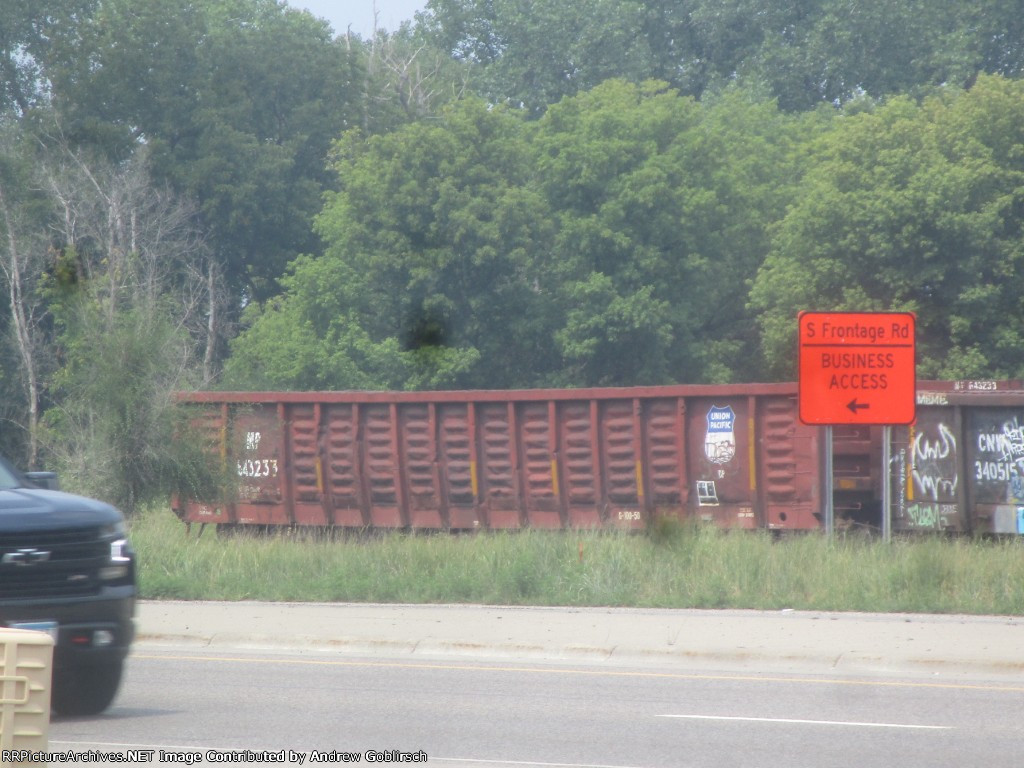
{"x": 935, "y": 463}
{"x": 928, "y": 515}
{"x": 927, "y": 474}
{"x": 997, "y": 460}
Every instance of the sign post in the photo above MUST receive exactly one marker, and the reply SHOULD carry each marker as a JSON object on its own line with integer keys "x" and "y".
{"x": 856, "y": 368}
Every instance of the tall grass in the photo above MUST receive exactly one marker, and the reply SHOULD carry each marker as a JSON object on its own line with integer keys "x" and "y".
{"x": 672, "y": 566}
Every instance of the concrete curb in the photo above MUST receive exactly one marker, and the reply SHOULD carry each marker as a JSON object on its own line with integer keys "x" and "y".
{"x": 795, "y": 641}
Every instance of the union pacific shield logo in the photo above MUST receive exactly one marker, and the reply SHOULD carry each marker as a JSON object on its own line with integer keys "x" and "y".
{"x": 720, "y": 441}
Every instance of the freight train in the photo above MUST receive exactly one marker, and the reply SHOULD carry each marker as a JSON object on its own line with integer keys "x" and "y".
{"x": 736, "y": 456}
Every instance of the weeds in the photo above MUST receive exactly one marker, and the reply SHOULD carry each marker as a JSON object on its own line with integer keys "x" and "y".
{"x": 671, "y": 566}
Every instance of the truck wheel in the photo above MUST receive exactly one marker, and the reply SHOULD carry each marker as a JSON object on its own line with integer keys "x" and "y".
{"x": 85, "y": 690}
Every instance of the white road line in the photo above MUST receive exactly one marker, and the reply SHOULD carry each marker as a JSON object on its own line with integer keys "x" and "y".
{"x": 811, "y": 722}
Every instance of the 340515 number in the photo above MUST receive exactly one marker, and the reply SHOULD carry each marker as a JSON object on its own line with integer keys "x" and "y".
{"x": 999, "y": 471}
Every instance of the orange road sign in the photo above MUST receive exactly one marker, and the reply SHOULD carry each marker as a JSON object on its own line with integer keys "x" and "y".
{"x": 857, "y": 368}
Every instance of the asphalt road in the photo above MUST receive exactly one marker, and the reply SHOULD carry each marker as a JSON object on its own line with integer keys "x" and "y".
{"x": 478, "y": 687}
{"x": 188, "y": 704}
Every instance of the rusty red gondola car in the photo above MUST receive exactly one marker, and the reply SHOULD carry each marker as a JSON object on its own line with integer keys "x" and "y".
{"x": 734, "y": 455}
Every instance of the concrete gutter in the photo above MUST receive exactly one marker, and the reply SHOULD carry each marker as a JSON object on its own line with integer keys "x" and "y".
{"x": 794, "y": 641}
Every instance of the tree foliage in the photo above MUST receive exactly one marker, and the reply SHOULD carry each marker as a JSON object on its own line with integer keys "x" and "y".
{"x": 238, "y": 101}
{"x": 27, "y": 32}
{"x": 917, "y": 208}
{"x": 427, "y": 262}
{"x": 532, "y": 54}
{"x": 125, "y": 295}
{"x": 599, "y": 245}
{"x": 662, "y": 206}
{"x": 805, "y": 52}
{"x": 24, "y": 255}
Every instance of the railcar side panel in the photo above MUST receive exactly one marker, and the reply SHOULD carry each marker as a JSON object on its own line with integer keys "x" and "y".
{"x": 341, "y": 466}
{"x": 789, "y": 467}
{"x": 960, "y": 467}
{"x": 257, "y": 448}
{"x": 666, "y": 479}
{"x": 736, "y": 456}
{"x": 927, "y": 472}
{"x": 995, "y": 469}
{"x": 720, "y": 445}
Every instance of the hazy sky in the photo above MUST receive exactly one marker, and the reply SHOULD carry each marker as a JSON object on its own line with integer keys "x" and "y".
{"x": 358, "y": 14}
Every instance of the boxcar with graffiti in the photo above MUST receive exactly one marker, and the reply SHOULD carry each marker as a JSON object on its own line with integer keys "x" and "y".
{"x": 736, "y": 456}
{"x": 960, "y": 466}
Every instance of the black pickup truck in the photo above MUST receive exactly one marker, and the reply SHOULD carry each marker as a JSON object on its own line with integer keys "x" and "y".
{"x": 67, "y": 568}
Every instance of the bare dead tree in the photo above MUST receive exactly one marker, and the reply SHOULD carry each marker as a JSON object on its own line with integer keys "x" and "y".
{"x": 19, "y": 264}
{"x": 148, "y": 301}
{"x": 407, "y": 71}
{"x": 135, "y": 244}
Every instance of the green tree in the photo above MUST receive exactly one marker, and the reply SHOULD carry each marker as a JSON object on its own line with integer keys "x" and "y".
{"x": 531, "y": 54}
{"x": 997, "y": 43}
{"x": 313, "y": 338}
{"x": 125, "y": 294}
{"x": 836, "y": 52}
{"x": 27, "y": 31}
{"x": 609, "y": 242}
{"x": 236, "y": 100}
{"x": 111, "y": 431}
{"x": 24, "y": 257}
{"x": 805, "y": 52}
{"x": 662, "y": 205}
{"x": 426, "y": 280}
{"x": 912, "y": 208}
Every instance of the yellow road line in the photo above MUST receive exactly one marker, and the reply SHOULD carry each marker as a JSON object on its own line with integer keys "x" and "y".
{"x": 583, "y": 672}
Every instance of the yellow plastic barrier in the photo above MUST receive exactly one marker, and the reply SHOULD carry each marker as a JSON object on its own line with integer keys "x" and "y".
{"x": 26, "y": 665}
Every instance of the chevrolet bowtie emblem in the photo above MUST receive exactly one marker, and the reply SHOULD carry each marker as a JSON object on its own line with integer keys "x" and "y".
{"x": 25, "y": 557}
